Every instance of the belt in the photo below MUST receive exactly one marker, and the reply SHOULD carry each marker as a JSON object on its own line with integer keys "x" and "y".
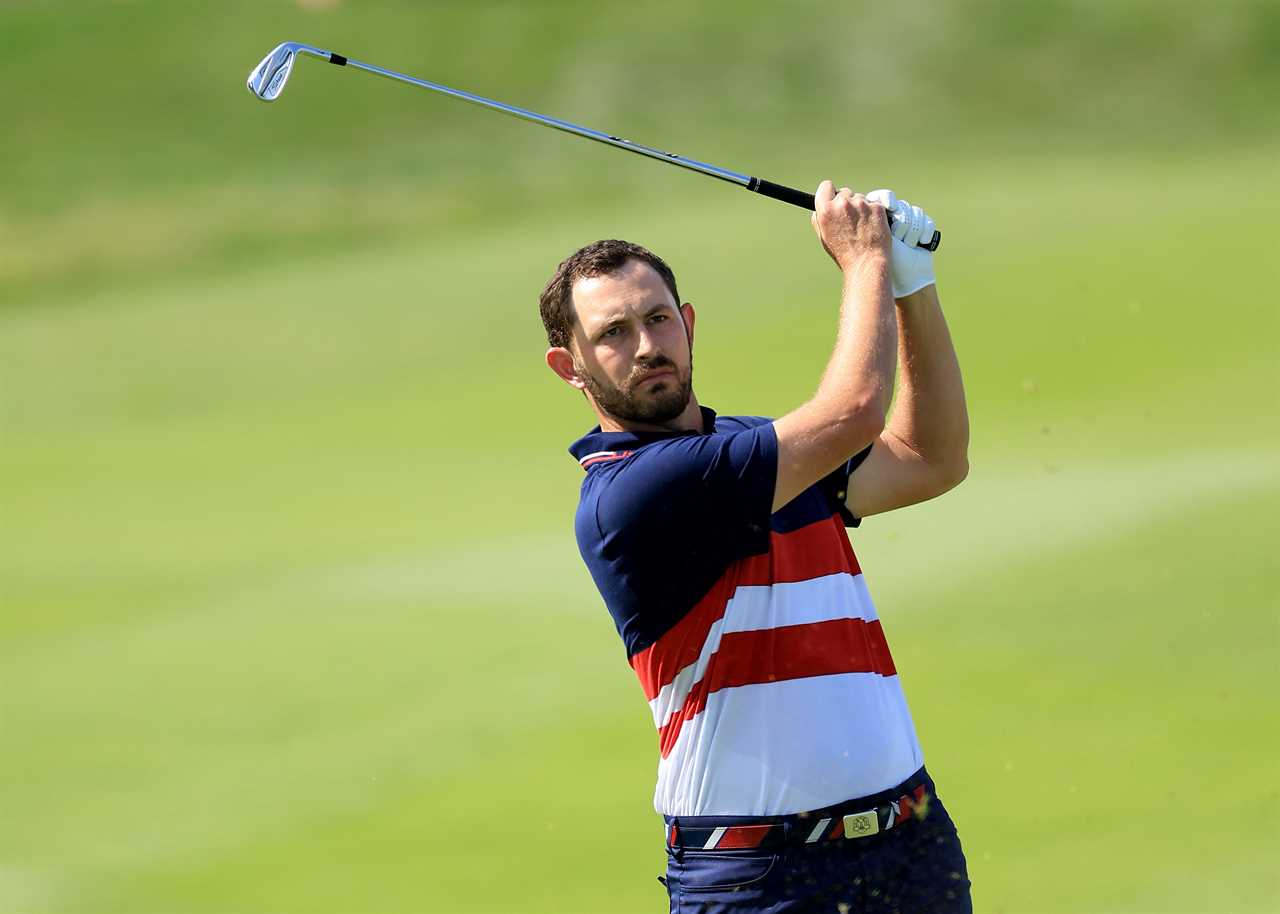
{"x": 803, "y": 828}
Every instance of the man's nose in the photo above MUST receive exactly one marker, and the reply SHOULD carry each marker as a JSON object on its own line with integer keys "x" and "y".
{"x": 646, "y": 345}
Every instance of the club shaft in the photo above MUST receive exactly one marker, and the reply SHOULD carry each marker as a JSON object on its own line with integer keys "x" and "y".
{"x": 577, "y": 130}
{"x": 758, "y": 185}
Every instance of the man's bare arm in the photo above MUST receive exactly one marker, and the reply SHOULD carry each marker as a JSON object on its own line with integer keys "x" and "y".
{"x": 923, "y": 450}
{"x": 847, "y": 411}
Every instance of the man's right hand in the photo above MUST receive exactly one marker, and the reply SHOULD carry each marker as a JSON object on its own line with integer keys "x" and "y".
{"x": 849, "y": 226}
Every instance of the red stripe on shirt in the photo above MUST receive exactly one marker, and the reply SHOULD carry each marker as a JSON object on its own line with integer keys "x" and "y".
{"x": 819, "y": 549}
{"x": 813, "y": 551}
{"x": 779, "y": 654}
{"x": 879, "y": 644}
{"x": 618, "y": 455}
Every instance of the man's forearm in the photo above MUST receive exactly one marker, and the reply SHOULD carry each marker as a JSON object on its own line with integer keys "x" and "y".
{"x": 929, "y": 413}
{"x": 847, "y": 411}
{"x": 862, "y": 364}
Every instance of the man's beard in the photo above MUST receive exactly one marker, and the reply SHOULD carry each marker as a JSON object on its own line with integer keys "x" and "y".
{"x": 625, "y": 403}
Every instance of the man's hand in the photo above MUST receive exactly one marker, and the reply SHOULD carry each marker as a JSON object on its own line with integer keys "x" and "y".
{"x": 849, "y": 226}
{"x": 912, "y": 267}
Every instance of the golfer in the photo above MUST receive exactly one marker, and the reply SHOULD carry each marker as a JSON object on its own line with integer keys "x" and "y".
{"x": 790, "y": 776}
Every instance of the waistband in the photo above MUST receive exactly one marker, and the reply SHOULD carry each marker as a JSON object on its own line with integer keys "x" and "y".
{"x": 855, "y": 818}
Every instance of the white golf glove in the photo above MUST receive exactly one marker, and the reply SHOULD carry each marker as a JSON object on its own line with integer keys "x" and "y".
{"x": 911, "y": 267}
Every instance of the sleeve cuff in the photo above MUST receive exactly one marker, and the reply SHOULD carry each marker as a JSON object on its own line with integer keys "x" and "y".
{"x": 838, "y": 486}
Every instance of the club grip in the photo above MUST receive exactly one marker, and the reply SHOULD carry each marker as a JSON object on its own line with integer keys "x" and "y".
{"x": 782, "y": 192}
{"x": 805, "y": 201}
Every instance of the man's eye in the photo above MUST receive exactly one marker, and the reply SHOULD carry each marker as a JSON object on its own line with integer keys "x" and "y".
{"x": 612, "y": 331}
{"x": 658, "y": 317}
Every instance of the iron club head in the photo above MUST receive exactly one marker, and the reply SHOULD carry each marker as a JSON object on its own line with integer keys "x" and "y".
{"x": 268, "y": 78}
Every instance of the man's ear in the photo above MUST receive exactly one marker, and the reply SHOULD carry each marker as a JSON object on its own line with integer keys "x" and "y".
{"x": 687, "y": 312}
{"x": 560, "y": 360}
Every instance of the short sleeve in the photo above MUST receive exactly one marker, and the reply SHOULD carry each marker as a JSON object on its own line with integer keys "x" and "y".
{"x": 836, "y": 485}
{"x": 696, "y": 493}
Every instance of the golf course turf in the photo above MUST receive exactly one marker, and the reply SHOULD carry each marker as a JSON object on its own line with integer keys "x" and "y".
{"x": 293, "y": 618}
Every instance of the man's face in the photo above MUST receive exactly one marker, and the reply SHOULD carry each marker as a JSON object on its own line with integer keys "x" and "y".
{"x": 633, "y": 353}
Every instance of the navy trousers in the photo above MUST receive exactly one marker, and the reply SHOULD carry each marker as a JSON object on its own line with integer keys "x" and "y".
{"x": 915, "y": 868}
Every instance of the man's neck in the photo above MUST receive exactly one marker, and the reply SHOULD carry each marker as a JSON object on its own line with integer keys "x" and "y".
{"x": 688, "y": 421}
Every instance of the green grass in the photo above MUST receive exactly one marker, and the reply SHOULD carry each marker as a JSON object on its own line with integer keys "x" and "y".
{"x": 292, "y": 615}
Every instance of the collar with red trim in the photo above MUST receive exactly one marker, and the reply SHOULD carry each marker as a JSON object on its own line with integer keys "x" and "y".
{"x": 601, "y": 447}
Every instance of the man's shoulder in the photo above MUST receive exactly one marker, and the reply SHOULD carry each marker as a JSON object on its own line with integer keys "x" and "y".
{"x": 609, "y": 464}
{"x": 690, "y": 450}
{"x": 684, "y": 475}
{"x": 729, "y": 424}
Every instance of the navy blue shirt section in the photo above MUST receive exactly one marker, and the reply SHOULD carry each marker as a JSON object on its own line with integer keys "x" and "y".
{"x": 659, "y": 526}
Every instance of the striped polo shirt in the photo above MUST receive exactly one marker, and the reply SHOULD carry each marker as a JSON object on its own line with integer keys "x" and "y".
{"x": 752, "y": 632}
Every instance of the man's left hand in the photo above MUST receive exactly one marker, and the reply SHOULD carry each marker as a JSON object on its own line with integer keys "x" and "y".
{"x": 911, "y": 266}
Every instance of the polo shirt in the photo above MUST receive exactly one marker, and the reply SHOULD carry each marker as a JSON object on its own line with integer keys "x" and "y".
{"x": 752, "y": 632}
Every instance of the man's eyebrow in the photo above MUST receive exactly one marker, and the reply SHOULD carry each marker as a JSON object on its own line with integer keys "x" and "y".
{"x": 651, "y": 310}
{"x": 610, "y": 321}
{"x": 615, "y": 319}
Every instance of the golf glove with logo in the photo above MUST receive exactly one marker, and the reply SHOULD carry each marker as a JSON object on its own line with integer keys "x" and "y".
{"x": 911, "y": 267}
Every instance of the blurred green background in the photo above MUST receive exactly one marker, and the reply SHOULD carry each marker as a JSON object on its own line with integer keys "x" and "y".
{"x": 292, "y": 617}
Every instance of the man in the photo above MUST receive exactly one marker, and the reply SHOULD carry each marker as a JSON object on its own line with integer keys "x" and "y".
{"x": 790, "y": 776}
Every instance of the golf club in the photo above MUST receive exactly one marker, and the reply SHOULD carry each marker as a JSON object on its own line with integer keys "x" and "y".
{"x": 268, "y": 79}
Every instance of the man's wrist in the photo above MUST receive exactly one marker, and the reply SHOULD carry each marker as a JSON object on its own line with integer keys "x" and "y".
{"x": 921, "y": 298}
{"x": 873, "y": 262}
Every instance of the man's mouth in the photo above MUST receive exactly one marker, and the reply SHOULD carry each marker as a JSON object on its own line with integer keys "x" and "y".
{"x": 660, "y": 374}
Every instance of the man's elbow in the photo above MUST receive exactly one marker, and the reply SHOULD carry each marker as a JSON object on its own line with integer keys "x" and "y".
{"x": 855, "y": 422}
{"x": 952, "y": 473}
{"x": 866, "y": 426}
{"x": 865, "y": 419}
{"x": 860, "y": 432}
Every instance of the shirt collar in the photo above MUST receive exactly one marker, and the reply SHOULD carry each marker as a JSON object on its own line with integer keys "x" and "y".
{"x": 596, "y": 445}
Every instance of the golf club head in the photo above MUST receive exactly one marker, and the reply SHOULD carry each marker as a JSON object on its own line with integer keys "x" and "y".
{"x": 268, "y": 78}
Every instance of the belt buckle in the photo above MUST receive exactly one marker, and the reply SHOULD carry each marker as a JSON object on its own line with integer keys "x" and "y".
{"x": 861, "y": 824}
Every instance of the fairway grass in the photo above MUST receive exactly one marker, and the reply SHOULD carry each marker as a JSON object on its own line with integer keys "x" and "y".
{"x": 354, "y": 738}
{"x": 298, "y": 622}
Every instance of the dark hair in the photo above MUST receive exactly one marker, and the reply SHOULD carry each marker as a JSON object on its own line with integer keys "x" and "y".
{"x": 599, "y": 258}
